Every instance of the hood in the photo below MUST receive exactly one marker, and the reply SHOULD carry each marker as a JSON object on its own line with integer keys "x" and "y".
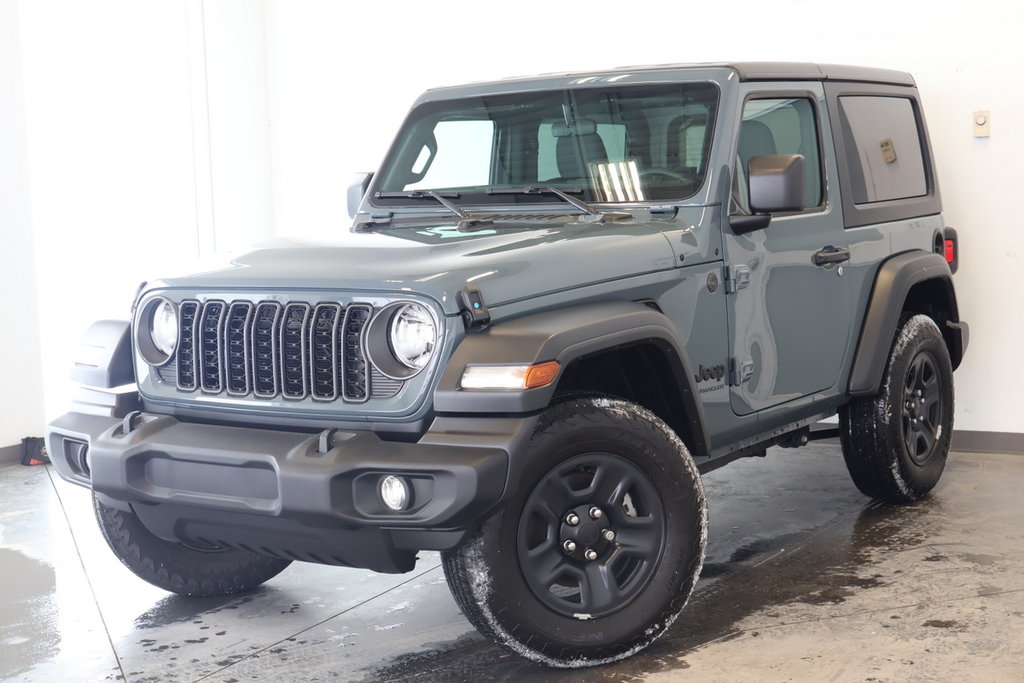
{"x": 506, "y": 263}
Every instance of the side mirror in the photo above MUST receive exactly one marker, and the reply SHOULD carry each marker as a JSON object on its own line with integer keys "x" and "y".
{"x": 776, "y": 183}
{"x": 357, "y": 190}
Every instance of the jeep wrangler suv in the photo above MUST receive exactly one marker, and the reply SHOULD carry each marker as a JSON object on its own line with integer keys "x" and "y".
{"x": 566, "y": 298}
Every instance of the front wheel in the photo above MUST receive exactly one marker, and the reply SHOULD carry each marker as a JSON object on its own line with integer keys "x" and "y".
{"x": 895, "y": 443}
{"x": 597, "y": 553}
{"x": 180, "y": 569}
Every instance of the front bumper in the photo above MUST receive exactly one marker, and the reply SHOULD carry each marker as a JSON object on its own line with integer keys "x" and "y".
{"x": 300, "y": 496}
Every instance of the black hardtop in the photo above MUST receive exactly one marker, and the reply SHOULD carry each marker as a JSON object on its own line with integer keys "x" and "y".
{"x": 798, "y": 71}
{"x": 746, "y": 71}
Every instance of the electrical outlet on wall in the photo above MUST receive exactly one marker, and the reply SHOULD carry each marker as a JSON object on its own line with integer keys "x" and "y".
{"x": 982, "y": 124}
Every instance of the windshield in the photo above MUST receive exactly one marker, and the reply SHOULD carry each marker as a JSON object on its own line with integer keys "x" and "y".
{"x": 624, "y": 144}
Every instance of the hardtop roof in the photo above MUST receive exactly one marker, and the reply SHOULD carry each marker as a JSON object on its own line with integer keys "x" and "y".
{"x": 746, "y": 71}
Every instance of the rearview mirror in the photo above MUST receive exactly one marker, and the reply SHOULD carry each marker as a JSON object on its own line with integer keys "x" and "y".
{"x": 776, "y": 183}
{"x": 356, "y": 191}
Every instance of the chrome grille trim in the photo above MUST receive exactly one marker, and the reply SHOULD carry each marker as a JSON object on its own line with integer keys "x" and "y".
{"x": 210, "y": 335}
{"x": 237, "y": 355}
{"x": 294, "y": 350}
{"x": 294, "y": 333}
{"x": 185, "y": 355}
{"x": 323, "y": 360}
{"x": 264, "y": 343}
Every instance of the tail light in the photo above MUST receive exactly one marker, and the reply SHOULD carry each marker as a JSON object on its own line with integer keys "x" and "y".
{"x": 950, "y": 248}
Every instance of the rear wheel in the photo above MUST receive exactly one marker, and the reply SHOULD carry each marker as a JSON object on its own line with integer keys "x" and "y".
{"x": 199, "y": 572}
{"x": 597, "y": 554}
{"x": 895, "y": 443}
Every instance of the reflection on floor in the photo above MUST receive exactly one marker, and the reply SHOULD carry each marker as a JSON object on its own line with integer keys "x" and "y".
{"x": 805, "y": 580}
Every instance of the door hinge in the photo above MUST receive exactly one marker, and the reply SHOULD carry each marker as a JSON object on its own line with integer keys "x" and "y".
{"x": 741, "y": 369}
{"x": 736, "y": 278}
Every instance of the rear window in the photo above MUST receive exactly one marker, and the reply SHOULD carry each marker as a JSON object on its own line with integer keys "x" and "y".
{"x": 883, "y": 148}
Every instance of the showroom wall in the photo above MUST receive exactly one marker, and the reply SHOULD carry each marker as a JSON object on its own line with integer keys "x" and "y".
{"x": 21, "y": 401}
{"x": 157, "y": 133}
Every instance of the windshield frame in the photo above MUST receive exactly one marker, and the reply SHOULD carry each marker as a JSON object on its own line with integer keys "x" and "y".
{"x": 485, "y": 200}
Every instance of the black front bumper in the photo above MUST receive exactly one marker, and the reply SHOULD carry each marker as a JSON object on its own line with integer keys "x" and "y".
{"x": 300, "y": 496}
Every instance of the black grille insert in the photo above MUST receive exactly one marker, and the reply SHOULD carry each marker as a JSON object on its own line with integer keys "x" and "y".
{"x": 236, "y": 355}
{"x": 264, "y": 341}
{"x": 356, "y": 380}
{"x": 186, "y": 354}
{"x": 323, "y": 341}
{"x": 211, "y": 329}
{"x": 293, "y": 351}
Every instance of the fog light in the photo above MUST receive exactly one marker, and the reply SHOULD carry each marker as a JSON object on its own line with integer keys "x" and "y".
{"x": 394, "y": 491}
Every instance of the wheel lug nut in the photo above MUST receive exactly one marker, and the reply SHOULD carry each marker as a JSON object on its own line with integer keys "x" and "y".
{"x": 595, "y": 513}
{"x": 608, "y": 534}
{"x": 569, "y": 546}
{"x": 590, "y": 554}
{"x": 572, "y": 519}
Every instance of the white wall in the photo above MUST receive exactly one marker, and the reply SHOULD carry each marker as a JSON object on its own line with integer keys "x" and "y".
{"x": 21, "y": 401}
{"x": 159, "y": 131}
{"x": 109, "y": 152}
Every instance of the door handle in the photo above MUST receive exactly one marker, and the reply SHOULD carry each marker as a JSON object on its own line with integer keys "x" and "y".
{"x": 831, "y": 254}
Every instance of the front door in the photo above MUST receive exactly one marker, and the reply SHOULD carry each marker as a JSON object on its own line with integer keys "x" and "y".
{"x": 789, "y": 313}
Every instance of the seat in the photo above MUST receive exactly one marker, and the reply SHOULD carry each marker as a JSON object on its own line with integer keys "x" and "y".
{"x": 573, "y": 153}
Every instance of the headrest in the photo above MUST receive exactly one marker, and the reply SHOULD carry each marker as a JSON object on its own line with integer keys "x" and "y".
{"x": 578, "y": 127}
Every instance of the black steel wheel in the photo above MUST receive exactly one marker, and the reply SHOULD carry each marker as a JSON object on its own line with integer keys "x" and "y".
{"x": 599, "y": 546}
{"x": 591, "y": 535}
{"x": 896, "y": 442}
{"x": 922, "y": 408}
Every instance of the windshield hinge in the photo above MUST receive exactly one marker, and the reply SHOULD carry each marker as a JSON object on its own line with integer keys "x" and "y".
{"x": 736, "y": 278}
{"x": 669, "y": 211}
{"x": 377, "y": 220}
{"x": 741, "y": 369}
{"x": 473, "y": 309}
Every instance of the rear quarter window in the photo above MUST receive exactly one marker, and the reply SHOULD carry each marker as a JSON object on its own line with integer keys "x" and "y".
{"x": 883, "y": 148}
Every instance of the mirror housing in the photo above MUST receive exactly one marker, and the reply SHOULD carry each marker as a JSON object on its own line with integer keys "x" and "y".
{"x": 357, "y": 188}
{"x": 776, "y": 183}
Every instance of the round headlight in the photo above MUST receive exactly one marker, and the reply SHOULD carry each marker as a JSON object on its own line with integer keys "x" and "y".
{"x": 413, "y": 336}
{"x": 156, "y": 331}
{"x": 163, "y": 328}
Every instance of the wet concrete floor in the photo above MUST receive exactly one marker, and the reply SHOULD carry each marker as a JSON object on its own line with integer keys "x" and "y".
{"x": 805, "y": 579}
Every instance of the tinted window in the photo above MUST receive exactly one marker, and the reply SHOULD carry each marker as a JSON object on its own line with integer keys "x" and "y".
{"x": 780, "y": 126}
{"x": 883, "y": 148}
{"x": 607, "y": 144}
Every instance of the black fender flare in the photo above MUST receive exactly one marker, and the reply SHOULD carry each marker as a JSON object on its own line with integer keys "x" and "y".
{"x": 895, "y": 279}
{"x": 565, "y": 335}
{"x": 104, "y": 358}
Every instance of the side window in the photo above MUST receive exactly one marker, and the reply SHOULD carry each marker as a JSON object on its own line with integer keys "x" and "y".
{"x": 461, "y": 158}
{"x": 780, "y": 126}
{"x": 883, "y": 148}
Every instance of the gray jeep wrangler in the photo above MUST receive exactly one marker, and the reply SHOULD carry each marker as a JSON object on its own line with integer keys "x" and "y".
{"x": 568, "y": 296}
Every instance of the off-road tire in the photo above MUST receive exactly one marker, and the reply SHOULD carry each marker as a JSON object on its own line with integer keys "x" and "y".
{"x": 640, "y": 475}
{"x": 895, "y": 443}
{"x": 176, "y": 568}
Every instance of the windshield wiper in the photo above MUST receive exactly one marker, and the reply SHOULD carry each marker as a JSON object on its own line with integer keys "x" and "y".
{"x": 466, "y": 220}
{"x": 591, "y": 215}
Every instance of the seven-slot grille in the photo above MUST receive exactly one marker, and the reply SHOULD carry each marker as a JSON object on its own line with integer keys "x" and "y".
{"x": 265, "y": 350}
